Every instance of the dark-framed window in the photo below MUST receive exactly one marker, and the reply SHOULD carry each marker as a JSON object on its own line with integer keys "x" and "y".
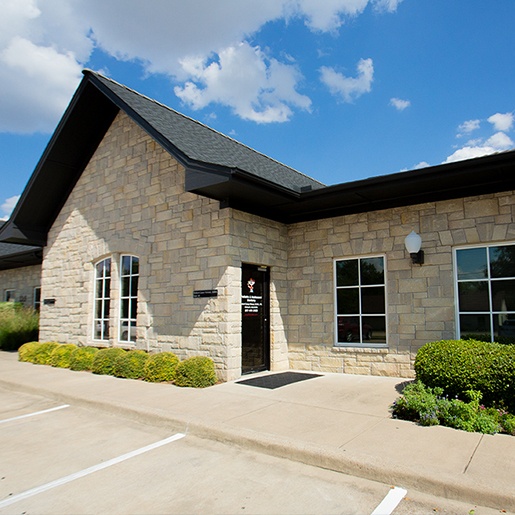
{"x": 129, "y": 279}
{"x": 360, "y": 301}
{"x": 102, "y": 303}
{"x": 485, "y": 292}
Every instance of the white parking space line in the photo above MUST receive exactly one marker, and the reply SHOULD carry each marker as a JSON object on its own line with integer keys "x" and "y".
{"x": 391, "y": 501}
{"x": 34, "y": 414}
{"x": 86, "y": 472}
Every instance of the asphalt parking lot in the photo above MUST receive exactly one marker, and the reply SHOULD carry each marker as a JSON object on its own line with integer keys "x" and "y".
{"x": 58, "y": 458}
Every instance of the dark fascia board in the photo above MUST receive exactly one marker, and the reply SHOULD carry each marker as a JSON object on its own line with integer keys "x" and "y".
{"x": 489, "y": 174}
{"x": 70, "y": 148}
{"x": 21, "y": 259}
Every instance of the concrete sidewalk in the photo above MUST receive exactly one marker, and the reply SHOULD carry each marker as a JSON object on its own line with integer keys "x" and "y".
{"x": 337, "y": 422}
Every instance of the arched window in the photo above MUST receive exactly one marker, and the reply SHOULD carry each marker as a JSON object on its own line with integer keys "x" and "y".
{"x": 129, "y": 276}
{"x": 102, "y": 299}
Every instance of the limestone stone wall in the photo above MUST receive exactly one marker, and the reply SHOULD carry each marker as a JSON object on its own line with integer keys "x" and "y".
{"x": 131, "y": 200}
{"x": 23, "y": 281}
{"x": 420, "y": 299}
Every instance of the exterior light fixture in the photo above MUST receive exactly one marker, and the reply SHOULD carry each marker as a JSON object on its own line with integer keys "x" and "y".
{"x": 413, "y": 242}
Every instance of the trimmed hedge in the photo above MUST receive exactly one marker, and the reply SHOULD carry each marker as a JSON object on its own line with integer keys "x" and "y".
{"x": 160, "y": 367}
{"x": 131, "y": 365}
{"x": 457, "y": 366}
{"x": 60, "y": 356}
{"x": 26, "y": 351}
{"x": 195, "y": 372}
{"x": 104, "y": 361}
{"x": 82, "y": 358}
{"x": 41, "y": 354}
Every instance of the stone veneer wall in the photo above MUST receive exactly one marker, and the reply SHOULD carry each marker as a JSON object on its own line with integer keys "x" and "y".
{"x": 420, "y": 299}
{"x": 131, "y": 200}
{"x": 23, "y": 280}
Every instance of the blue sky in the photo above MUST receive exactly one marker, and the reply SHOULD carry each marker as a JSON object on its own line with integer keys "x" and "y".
{"x": 341, "y": 90}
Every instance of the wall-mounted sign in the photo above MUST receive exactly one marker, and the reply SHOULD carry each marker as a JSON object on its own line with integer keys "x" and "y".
{"x": 49, "y": 302}
{"x": 199, "y": 294}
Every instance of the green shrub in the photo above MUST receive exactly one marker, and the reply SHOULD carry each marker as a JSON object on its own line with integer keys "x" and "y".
{"x": 461, "y": 365}
{"x": 160, "y": 367}
{"x": 26, "y": 351}
{"x": 41, "y": 354}
{"x": 60, "y": 356}
{"x": 427, "y": 407}
{"x": 18, "y": 325}
{"x": 82, "y": 358}
{"x": 105, "y": 359}
{"x": 131, "y": 364}
{"x": 196, "y": 372}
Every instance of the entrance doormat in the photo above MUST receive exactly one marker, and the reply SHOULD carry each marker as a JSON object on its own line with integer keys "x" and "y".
{"x": 274, "y": 381}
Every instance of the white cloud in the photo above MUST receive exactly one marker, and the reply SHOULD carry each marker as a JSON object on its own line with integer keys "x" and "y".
{"x": 468, "y": 127}
{"x": 44, "y": 44}
{"x": 399, "y": 104}
{"x": 244, "y": 78}
{"x": 37, "y": 83}
{"x": 349, "y": 88}
{"x": 7, "y": 207}
{"x": 422, "y": 164}
{"x": 502, "y": 122}
{"x": 477, "y": 147}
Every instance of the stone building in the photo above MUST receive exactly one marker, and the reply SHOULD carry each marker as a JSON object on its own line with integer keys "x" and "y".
{"x": 157, "y": 232}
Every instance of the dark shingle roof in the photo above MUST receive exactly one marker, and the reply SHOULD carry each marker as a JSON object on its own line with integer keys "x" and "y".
{"x": 200, "y": 143}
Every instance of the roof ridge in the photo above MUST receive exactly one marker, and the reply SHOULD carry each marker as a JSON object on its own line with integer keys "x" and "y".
{"x": 201, "y": 124}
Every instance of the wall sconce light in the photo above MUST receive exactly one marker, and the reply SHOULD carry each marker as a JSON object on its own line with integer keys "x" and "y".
{"x": 413, "y": 242}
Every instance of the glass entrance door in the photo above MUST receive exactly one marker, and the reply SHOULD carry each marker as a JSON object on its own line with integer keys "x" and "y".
{"x": 255, "y": 319}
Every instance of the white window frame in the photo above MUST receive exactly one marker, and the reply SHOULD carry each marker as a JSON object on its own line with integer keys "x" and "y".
{"x": 363, "y": 343}
{"x": 36, "y": 299}
{"x": 104, "y": 320}
{"x": 491, "y": 313}
{"x": 127, "y": 325}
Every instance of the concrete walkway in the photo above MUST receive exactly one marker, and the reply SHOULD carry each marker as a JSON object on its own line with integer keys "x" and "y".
{"x": 337, "y": 422}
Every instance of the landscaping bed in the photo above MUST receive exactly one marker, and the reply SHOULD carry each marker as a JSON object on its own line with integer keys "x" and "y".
{"x": 464, "y": 384}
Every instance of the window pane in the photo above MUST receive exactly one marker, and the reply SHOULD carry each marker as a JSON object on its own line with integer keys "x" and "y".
{"x": 107, "y": 288}
{"x": 476, "y": 326}
{"x": 106, "y": 308}
{"x": 125, "y": 286}
{"x": 347, "y": 272}
{"x": 348, "y": 301}
{"x": 98, "y": 330}
{"x": 125, "y": 308}
{"x": 471, "y": 263}
{"x": 135, "y": 266}
{"x": 502, "y": 261}
{"x": 473, "y": 296}
{"x": 98, "y": 309}
{"x": 348, "y": 330}
{"x": 126, "y": 265}
{"x": 374, "y": 329}
{"x": 372, "y": 271}
{"x": 503, "y": 295}
{"x": 98, "y": 292}
{"x": 504, "y": 328}
{"x": 372, "y": 300}
{"x": 134, "y": 287}
{"x": 134, "y": 308}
